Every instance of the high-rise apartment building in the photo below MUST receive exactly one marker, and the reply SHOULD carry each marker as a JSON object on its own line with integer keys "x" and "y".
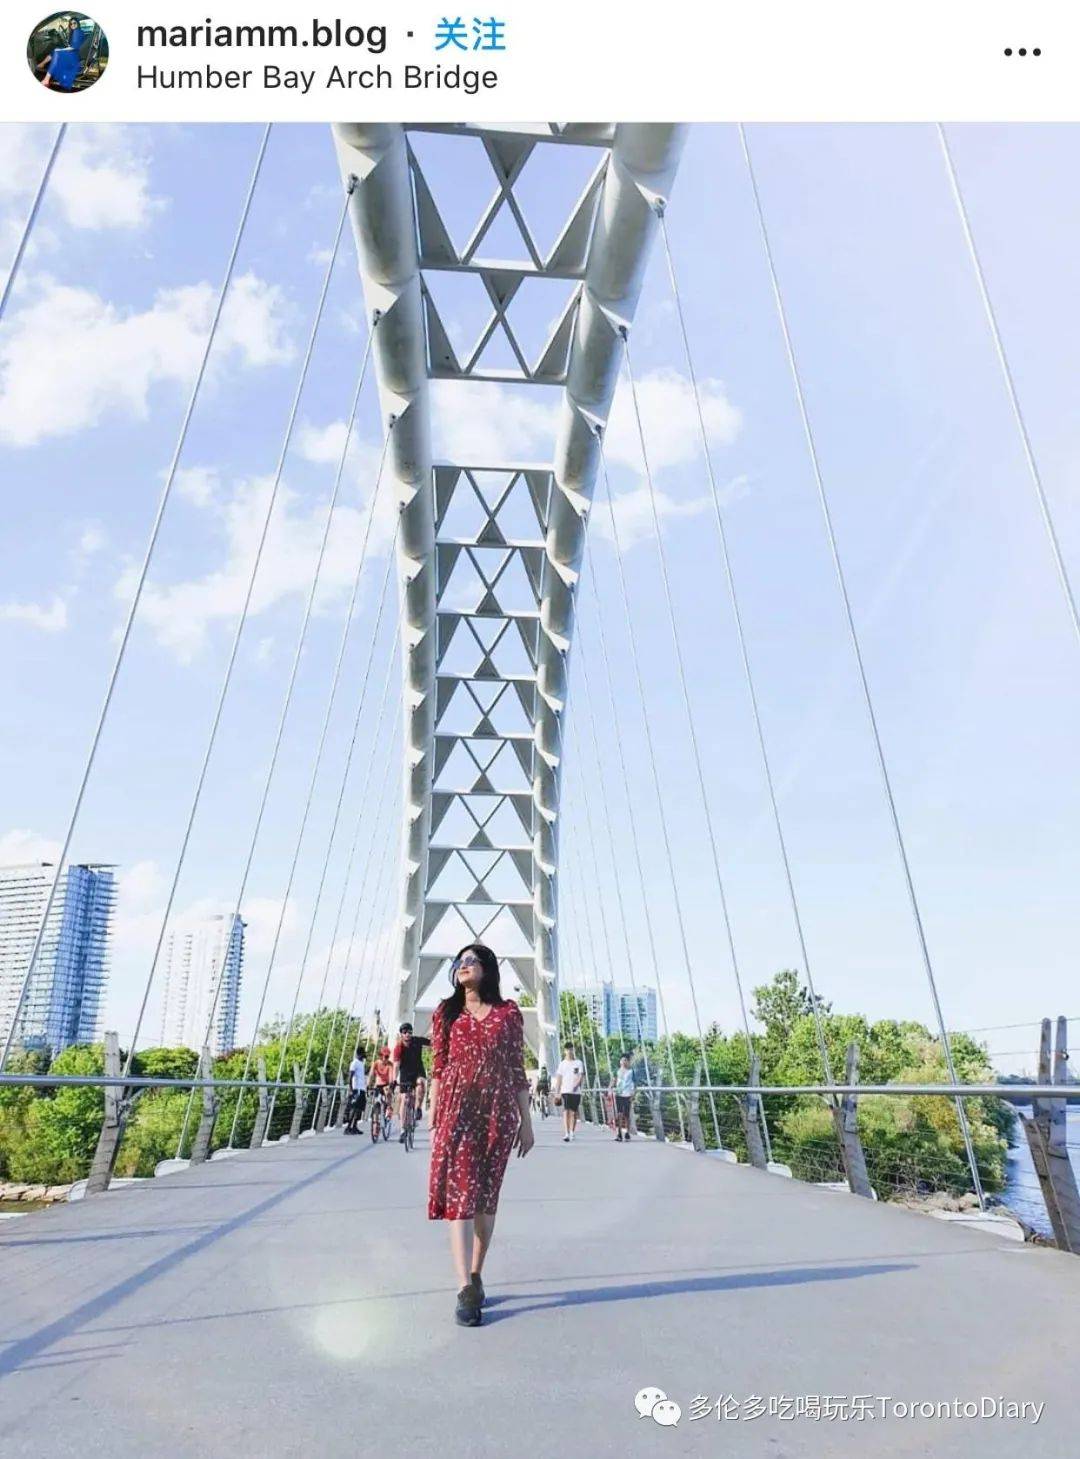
{"x": 203, "y": 967}
{"x": 63, "y": 1000}
{"x": 622, "y": 1013}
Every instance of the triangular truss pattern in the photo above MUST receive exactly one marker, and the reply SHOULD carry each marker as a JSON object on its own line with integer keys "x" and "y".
{"x": 486, "y": 661}
{"x": 497, "y": 353}
{"x": 490, "y": 554}
{"x": 490, "y": 529}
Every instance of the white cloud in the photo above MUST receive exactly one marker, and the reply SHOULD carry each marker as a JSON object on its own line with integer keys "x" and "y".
{"x": 92, "y": 539}
{"x": 633, "y": 511}
{"x": 196, "y": 484}
{"x": 106, "y": 360}
{"x": 180, "y": 614}
{"x": 321, "y": 444}
{"x": 475, "y": 421}
{"x": 633, "y": 515}
{"x": 51, "y": 618}
{"x": 669, "y": 417}
{"x": 100, "y": 179}
{"x": 20, "y": 846}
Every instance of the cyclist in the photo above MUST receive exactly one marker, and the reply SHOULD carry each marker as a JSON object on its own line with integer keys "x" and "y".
{"x": 382, "y": 1081}
{"x": 543, "y": 1090}
{"x": 409, "y": 1071}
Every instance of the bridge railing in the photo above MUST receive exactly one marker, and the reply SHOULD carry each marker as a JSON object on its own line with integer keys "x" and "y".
{"x": 901, "y": 1145}
{"x": 275, "y": 1109}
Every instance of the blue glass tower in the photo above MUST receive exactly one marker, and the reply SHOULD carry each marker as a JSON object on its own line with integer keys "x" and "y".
{"x": 63, "y": 1002}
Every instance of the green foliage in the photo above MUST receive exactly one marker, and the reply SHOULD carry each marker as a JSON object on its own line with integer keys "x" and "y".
{"x": 48, "y": 1136}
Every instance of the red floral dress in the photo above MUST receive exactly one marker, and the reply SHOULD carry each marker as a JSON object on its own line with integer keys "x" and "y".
{"x": 480, "y": 1067}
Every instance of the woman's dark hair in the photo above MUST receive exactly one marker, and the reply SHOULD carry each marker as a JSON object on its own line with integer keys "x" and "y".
{"x": 489, "y": 990}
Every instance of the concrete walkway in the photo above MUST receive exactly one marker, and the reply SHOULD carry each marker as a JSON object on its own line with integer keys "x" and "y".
{"x": 296, "y": 1302}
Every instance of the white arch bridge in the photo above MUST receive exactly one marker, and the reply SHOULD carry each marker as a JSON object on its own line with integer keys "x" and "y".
{"x": 275, "y": 1288}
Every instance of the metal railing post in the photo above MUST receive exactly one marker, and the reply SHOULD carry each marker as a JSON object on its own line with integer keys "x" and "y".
{"x": 750, "y": 1113}
{"x": 697, "y": 1134}
{"x": 262, "y": 1114}
{"x": 845, "y": 1113}
{"x": 1047, "y": 1137}
{"x": 335, "y": 1105}
{"x": 322, "y": 1108}
{"x": 112, "y": 1126}
{"x": 300, "y": 1099}
{"x": 200, "y": 1149}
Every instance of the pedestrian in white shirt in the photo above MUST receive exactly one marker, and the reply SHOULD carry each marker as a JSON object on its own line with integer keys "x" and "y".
{"x": 569, "y": 1077}
{"x": 622, "y": 1084}
{"x": 357, "y": 1094}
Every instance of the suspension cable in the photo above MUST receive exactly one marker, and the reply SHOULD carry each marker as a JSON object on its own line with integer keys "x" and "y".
{"x": 744, "y": 652}
{"x": 376, "y": 739}
{"x": 136, "y": 598}
{"x": 369, "y": 858}
{"x": 283, "y": 716}
{"x": 592, "y": 1029}
{"x": 634, "y": 840}
{"x": 684, "y": 687}
{"x": 241, "y": 624}
{"x": 317, "y": 760}
{"x": 606, "y": 810}
{"x": 31, "y": 217}
{"x": 603, "y": 1032}
{"x": 1010, "y": 384}
{"x": 337, "y": 810}
{"x": 366, "y": 960}
{"x": 819, "y": 479}
{"x": 624, "y": 594}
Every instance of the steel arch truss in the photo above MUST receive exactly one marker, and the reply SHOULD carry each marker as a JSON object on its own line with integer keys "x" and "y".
{"x": 490, "y": 554}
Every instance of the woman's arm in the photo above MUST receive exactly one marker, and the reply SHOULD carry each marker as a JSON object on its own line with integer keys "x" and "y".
{"x": 523, "y": 1140}
{"x": 433, "y": 1099}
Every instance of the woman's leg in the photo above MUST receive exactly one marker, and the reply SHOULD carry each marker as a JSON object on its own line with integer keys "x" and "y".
{"x": 483, "y": 1230}
{"x": 462, "y": 1243}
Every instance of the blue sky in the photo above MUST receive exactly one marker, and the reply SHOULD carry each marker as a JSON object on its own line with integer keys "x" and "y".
{"x": 970, "y": 652}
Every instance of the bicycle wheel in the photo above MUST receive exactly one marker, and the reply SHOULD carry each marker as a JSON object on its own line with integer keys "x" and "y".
{"x": 374, "y": 1123}
{"x": 386, "y": 1126}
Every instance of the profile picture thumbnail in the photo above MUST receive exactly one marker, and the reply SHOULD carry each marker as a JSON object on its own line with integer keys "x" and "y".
{"x": 67, "y": 51}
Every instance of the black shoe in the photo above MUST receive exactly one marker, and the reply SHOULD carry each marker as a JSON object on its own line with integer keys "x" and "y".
{"x": 479, "y": 1286}
{"x": 467, "y": 1311}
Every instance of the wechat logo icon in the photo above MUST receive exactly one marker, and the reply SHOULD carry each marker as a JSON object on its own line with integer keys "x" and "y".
{"x": 655, "y": 1404}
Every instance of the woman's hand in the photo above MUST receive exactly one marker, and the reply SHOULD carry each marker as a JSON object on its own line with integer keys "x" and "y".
{"x": 523, "y": 1140}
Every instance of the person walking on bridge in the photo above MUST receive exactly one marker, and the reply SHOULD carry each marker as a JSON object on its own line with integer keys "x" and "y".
{"x": 622, "y": 1086}
{"x": 569, "y": 1077}
{"x": 479, "y": 1113}
{"x": 354, "y": 1122}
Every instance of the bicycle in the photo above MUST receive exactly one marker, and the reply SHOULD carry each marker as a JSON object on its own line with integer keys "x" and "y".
{"x": 542, "y": 1104}
{"x": 408, "y": 1123}
{"x": 380, "y": 1115}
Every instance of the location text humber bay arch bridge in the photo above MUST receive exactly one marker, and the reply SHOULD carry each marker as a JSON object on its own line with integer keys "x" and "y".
{"x": 491, "y": 558}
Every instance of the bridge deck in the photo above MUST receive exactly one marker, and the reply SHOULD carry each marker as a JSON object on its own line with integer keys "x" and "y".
{"x": 295, "y": 1301}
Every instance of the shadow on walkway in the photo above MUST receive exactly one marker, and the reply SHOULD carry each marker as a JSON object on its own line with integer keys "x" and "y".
{"x": 23, "y": 1349}
{"x": 685, "y": 1286}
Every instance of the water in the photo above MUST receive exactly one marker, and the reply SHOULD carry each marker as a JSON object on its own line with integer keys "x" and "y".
{"x": 1022, "y": 1192}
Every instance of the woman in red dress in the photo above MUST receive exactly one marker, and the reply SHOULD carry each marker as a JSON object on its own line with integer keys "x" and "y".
{"x": 479, "y": 1113}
